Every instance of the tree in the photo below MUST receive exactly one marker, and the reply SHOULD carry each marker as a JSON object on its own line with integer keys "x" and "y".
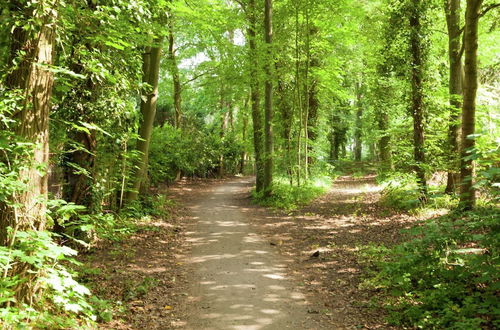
{"x": 417, "y": 101}
{"x": 255, "y": 95}
{"x": 467, "y": 190}
{"x": 32, "y": 53}
{"x": 452, "y": 12}
{"x": 151, "y": 71}
{"x": 268, "y": 106}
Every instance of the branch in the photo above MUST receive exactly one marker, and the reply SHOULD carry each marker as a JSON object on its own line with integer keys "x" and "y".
{"x": 196, "y": 77}
{"x": 488, "y": 8}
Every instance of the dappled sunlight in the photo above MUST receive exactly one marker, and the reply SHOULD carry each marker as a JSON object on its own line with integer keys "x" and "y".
{"x": 241, "y": 282}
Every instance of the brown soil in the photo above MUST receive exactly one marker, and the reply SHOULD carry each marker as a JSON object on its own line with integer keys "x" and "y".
{"x": 222, "y": 263}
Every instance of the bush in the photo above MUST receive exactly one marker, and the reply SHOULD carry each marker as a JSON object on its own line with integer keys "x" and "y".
{"x": 446, "y": 276}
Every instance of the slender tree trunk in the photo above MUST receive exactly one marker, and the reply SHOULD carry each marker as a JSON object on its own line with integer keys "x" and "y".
{"x": 258, "y": 139}
{"x": 358, "y": 128}
{"x": 32, "y": 77}
{"x": 286, "y": 117}
{"x": 223, "y": 127}
{"x": 452, "y": 11}
{"x": 174, "y": 71}
{"x": 470, "y": 84}
{"x": 298, "y": 94}
{"x": 313, "y": 107}
{"x": 417, "y": 105}
{"x": 244, "y": 137}
{"x": 268, "y": 105}
{"x": 151, "y": 70}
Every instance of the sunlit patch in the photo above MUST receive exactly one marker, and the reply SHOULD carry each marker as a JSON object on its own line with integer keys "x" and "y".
{"x": 270, "y": 311}
{"x": 276, "y": 287}
{"x": 242, "y": 306}
{"x": 274, "y": 276}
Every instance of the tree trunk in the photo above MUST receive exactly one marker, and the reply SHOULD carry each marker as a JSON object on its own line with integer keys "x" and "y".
{"x": 358, "y": 128}
{"x": 286, "y": 117}
{"x": 151, "y": 70}
{"x": 174, "y": 71}
{"x": 384, "y": 142}
{"x": 255, "y": 96}
{"x": 268, "y": 105}
{"x": 32, "y": 120}
{"x": 78, "y": 188}
{"x": 417, "y": 104}
{"x": 467, "y": 191}
{"x": 244, "y": 137}
{"x": 452, "y": 11}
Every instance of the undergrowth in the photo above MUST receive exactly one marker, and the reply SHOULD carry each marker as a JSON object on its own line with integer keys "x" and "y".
{"x": 402, "y": 193}
{"x": 291, "y": 197}
{"x": 61, "y": 296}
{"x": 446, "y": 276}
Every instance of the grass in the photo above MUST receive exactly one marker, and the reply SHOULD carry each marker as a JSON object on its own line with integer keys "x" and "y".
{"x": 288, "y": 197}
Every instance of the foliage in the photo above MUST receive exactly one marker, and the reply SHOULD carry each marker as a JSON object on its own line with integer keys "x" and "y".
{"x": 290, "y": 197}
{"x": 35, "y": 257}
{"x": 147, "y": 206}
{"x": 401, "y": 192}
{"x": 445, "y": 276}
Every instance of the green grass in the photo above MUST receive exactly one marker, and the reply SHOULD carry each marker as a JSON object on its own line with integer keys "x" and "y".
{"x": 289, "y": 197}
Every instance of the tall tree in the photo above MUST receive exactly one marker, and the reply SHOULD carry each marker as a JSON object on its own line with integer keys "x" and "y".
{"x": 358, "y": 123}
{"x": 467, "y": 190}
{"x": 258, "y": 138}
{"x": 151, "y": 71}
{"x": 31, "y": 54}
{"x": 417, "y": 96}
{"x": 174, "y": 71}
{"x": 268, "y": 105}
{"x": 452, "y": 12}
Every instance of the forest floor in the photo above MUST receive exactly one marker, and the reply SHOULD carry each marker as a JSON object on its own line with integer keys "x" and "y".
{"x": 221, "y": 262}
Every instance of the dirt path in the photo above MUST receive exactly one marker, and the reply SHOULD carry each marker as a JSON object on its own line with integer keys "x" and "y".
{"x": 239, "y": 281}
{"x": 220, "y": 262}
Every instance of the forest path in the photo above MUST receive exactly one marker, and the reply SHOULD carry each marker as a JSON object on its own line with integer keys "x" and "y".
{"x": 238, "y": 281}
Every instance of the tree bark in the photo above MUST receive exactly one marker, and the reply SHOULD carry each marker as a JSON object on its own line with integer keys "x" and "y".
{"x": 151, "y": 70}
{"x": 268, "y": 105}
{"x": 258, "y": 139}
{"x": 470, "y": 84}
{"x": 452, "y": 11}
{"x": 31, "y": 76}
{"x": 417, "y": 104}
